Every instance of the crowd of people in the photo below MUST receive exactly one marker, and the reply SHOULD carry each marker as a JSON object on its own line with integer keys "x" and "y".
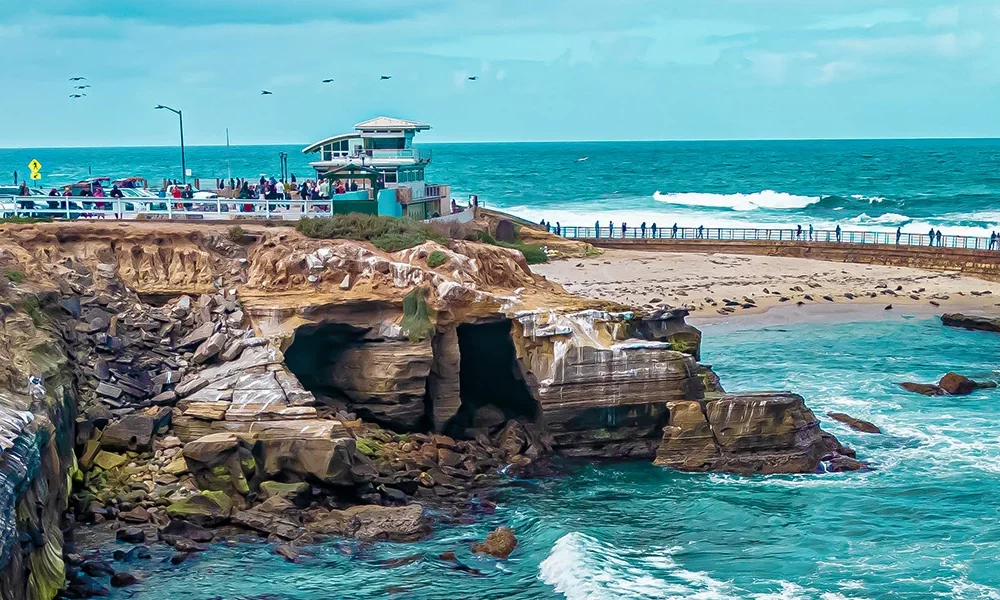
{"x": 278, "y": 189}
{"x": 934, "y": 237}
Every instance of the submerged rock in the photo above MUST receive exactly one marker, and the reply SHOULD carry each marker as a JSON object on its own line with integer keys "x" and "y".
{"x": 400, "y": 524}
{"x": 952, "y": 384}
{"x": 500, "y": 543}
{"x": 854, "y": 423}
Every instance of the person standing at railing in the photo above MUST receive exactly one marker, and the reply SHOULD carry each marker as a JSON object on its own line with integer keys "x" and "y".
{"x": 810, "y": 232}
{"x": 597, "y": 229}
{"x": 701, "y": 231}
{"x": 654, "y": 230}
{"x": 624, "y": 229}
{"x": 673, "y": 231}
{"x": 558, "y": 228}
{"x": 939, "y": 238}
{"x": 643, "y": 228}
{"x": 931, "y": 235}
{"x": 993, "y": 240}
{"x": 798, "y": 233}
{"x": 899, "y": 234}
{"x": 611, "y": 229}
{"x": 838, "y": 232}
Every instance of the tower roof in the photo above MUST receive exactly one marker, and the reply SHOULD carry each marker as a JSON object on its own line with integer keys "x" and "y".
{"x": 391, "y": 123}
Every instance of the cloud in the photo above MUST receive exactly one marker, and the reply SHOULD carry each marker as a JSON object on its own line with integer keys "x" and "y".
{"x": 945, "y": 16}
{"x": 946, "y": 45}
{"x": 774, "y": 67}
{"x": 865, "y": 20}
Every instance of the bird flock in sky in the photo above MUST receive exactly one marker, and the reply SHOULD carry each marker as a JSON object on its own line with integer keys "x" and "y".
{"x": 79, "y": 87}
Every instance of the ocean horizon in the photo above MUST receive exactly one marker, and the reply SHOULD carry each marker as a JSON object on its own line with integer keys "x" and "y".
{"x": 949, "y": 184}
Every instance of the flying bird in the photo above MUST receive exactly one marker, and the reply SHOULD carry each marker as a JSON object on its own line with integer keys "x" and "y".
{"x": 77, "y": 78}
{"x": 384, "y": 77}
{"x": 328, "y": 81}
{"x": 77, "y": 95}
{"x": 473, "y": 77}
{"x": 81, "y": 87}
{"x": 266, "y": 93}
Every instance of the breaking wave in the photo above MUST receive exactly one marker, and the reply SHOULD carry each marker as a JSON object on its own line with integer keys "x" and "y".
{"x": 768, "y": 199}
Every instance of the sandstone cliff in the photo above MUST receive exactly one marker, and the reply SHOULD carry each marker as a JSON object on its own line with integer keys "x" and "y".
{"x": 232, "y": 382}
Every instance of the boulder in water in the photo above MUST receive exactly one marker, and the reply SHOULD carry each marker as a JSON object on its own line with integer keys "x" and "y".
{"x": 854, "y": 423}
{"x": 499, "y": 543}
{"x": 971, "y": 322}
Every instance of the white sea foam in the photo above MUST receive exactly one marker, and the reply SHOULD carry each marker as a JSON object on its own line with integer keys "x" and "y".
{"x": 582, "y": 568}
{"x": 768, "y": 199}
{"x": 886, "y": 219}
{"x": 870, "y": 199}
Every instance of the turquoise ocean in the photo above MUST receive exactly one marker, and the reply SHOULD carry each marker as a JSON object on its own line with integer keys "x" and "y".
{"x": 953, "y": 185}
{"x": 924, "y": 522}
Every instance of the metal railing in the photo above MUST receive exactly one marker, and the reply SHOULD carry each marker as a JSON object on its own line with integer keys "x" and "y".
{"x": 166, "y": 209}
{"x": 723, "y": 234}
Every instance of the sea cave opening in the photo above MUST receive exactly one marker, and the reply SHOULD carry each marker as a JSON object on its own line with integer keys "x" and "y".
{"x": 490, "y": 375}
{"x": 314, "y": 352}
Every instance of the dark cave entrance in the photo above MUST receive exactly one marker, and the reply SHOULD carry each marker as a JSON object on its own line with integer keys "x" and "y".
{"x": 490, "y": 375}
{"x": 314, "y": 351}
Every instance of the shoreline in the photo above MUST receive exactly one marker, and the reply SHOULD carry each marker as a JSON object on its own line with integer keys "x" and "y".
{"x": 794, "y": 289}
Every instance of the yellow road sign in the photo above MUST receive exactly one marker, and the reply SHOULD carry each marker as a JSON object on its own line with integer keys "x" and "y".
{"x": 35, "y": 175}
{"x": 34, "y": 165}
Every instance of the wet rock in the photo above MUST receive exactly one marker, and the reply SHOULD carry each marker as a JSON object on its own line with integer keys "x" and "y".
{"x": 184, "y": 545}
{"x": 184, "y": 529}
{"x": 841, "y": 464}
{"x": 403, "y": 523}
{"x": 138, "y": 553}
{"x": 269, "y": 518}
{"x": 132, "y": 535}
{"x": 957, "y": 385}
{"x": 96, "y": 568}
{"x": 449, "y": 556}
{"x": 287, "y": 552}
{"x": 179, "y": 557}
{"x": 926, "y": 389}
{"x": 499, "y": 543}
{"x": 207, "y": 509}
{"x": 122, "y": 580}
{"x": 854, "y": 423}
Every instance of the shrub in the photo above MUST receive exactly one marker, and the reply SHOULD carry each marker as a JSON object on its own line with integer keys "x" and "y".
{"x": 386, "y": 233}
{"x": 26, "y": 220}
{"x": 238, "y": 235}
{"x": 34, "y": 310}
{"x": 15, "y": 276}
{"x": 533, "y": 253}
{"x": 436, "y": 259}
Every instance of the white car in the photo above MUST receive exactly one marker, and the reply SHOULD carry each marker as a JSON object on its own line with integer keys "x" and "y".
{"x": 198, "y": 194}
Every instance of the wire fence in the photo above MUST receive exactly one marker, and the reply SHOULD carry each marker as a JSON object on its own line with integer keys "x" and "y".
{"x": 780, "y": 235}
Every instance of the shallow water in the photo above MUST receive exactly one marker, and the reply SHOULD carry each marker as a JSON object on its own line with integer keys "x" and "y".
{"x": 924, "y": 523}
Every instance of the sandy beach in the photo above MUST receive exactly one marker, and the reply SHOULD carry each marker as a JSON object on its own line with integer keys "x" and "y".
{"x": 719, "y": 286}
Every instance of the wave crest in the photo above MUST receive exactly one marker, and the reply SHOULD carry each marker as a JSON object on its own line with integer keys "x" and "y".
{"x": 767, "y": 199}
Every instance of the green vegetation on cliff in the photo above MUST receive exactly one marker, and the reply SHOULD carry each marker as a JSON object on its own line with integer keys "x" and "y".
{"x": 533, "y": 253}
{"x": 416, "y": 321}
{"x": 436, "y": 259}
{"x": 386, "y": 233}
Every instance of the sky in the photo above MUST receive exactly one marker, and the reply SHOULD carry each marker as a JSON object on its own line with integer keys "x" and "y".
{"x": 546, "y": 69}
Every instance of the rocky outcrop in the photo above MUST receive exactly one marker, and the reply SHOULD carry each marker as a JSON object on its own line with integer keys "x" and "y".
{"x": 971, "y": 322}
{"x": 757, "y": 433}
{"x": 370, "y": 523}
{"x": 601, "y": 391}
{"x": 952, "y": 384}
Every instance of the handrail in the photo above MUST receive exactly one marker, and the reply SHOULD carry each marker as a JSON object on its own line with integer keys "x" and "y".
{"x": 86, "y": 207}
{"x": 728, "y": 234}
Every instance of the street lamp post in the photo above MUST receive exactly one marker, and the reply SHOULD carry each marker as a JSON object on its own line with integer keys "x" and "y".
{"x": 180, "y": 116}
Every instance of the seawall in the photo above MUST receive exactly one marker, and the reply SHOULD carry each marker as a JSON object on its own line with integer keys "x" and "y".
{"x": 983, "y": 264}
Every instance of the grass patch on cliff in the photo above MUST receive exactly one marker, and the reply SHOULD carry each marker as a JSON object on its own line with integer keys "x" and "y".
{"x": 238, "y": 235}
{"x": 386, "y": 233}
{"x": 533, "y": 253}
{"x": 15, "y": 276}
{"x": 416, "y": 321}
{"x": 436, "y": 259}
{"x": 25, "y": 220}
